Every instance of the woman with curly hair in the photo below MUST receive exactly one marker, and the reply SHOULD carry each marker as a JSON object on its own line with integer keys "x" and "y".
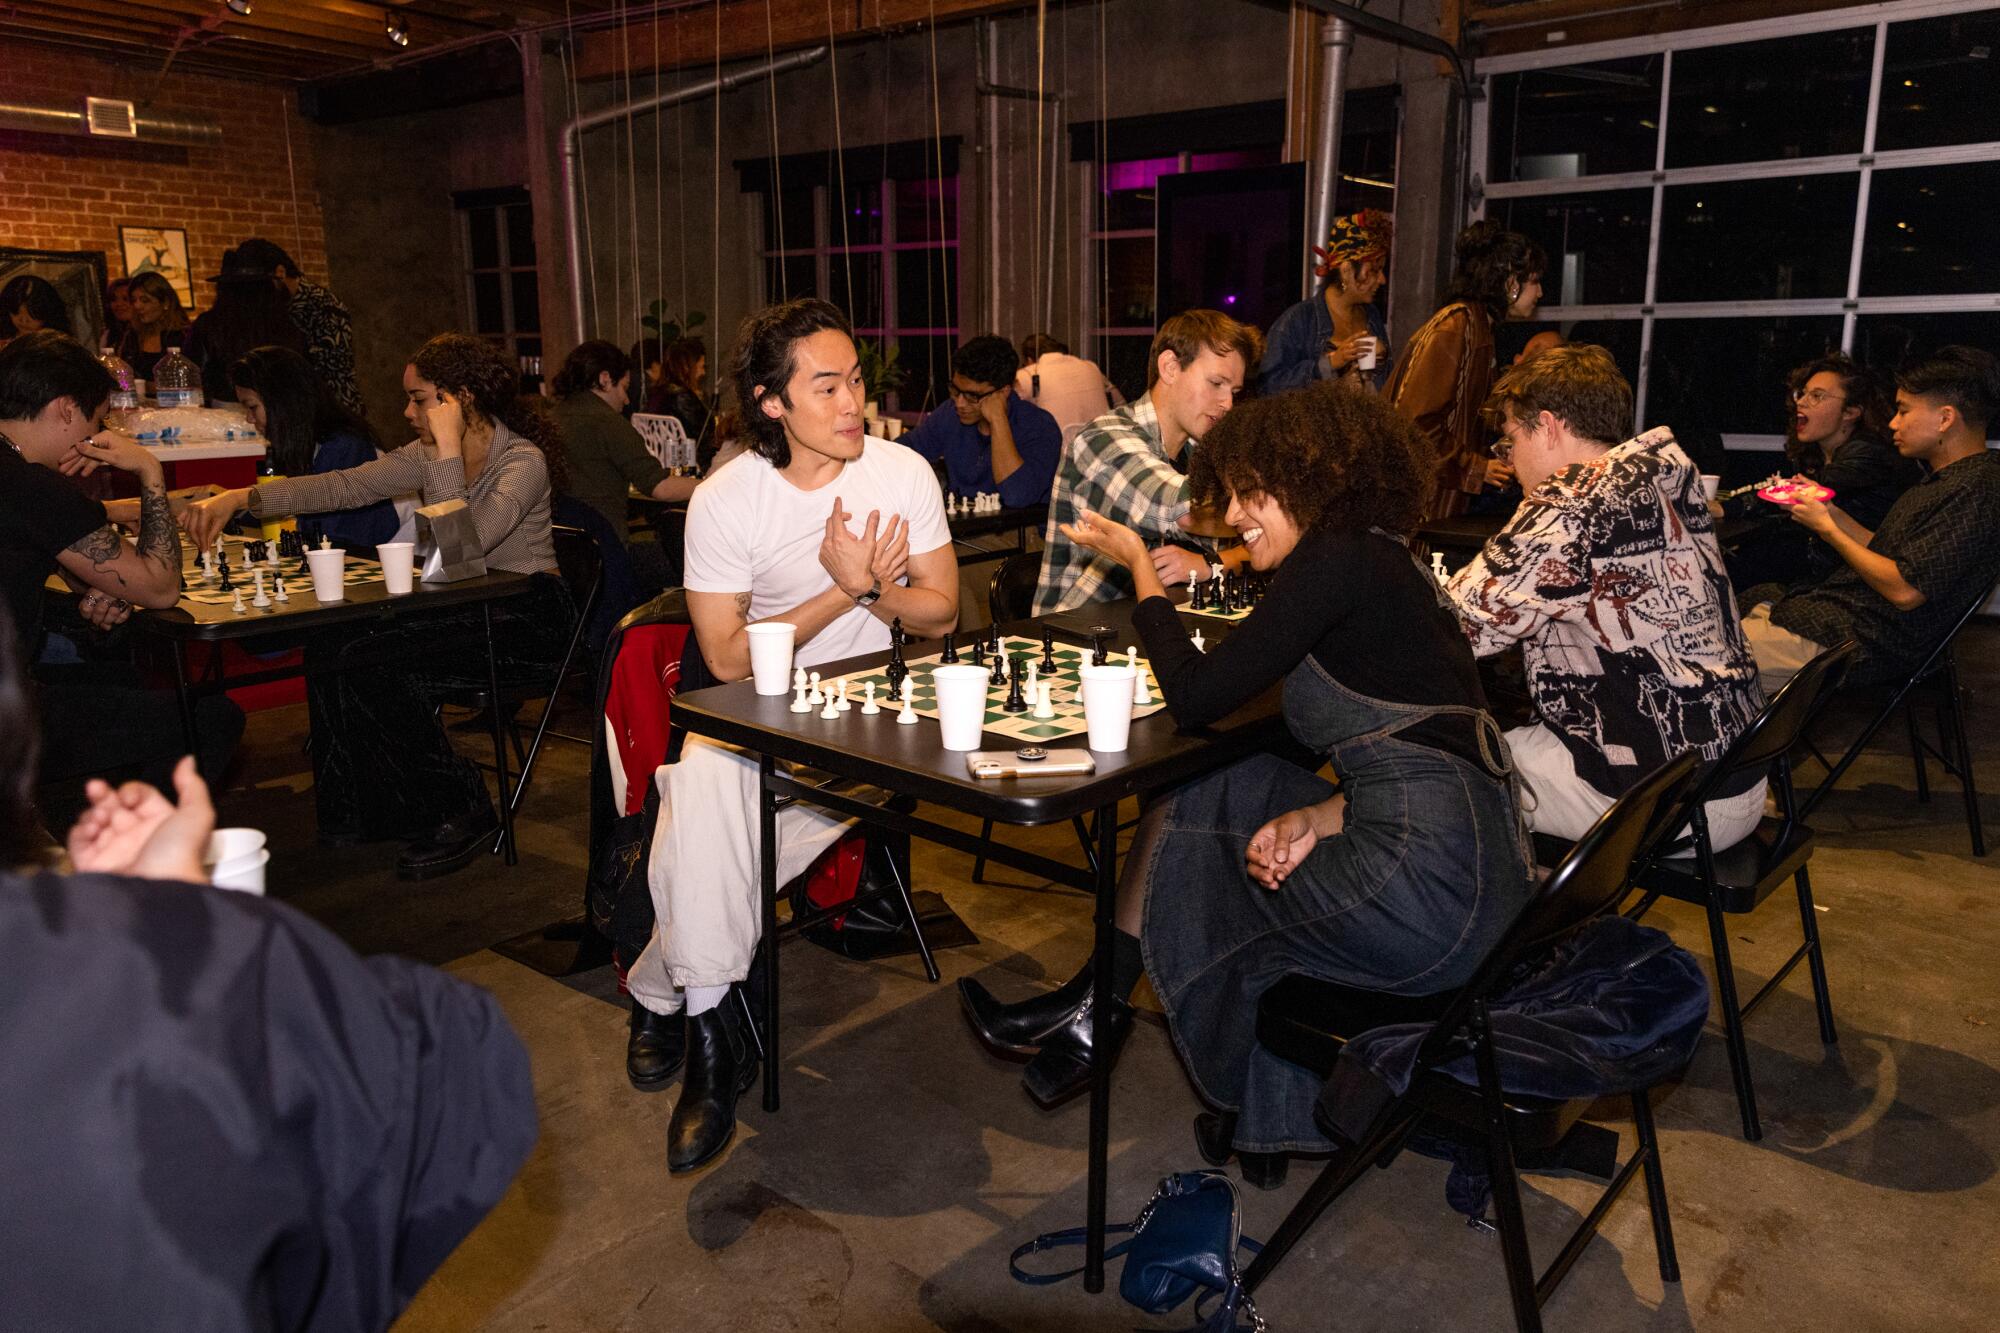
{"x": 382, "y": 765}
{"x": 1400, "y": 880}
{"x": 1444, "y": 375}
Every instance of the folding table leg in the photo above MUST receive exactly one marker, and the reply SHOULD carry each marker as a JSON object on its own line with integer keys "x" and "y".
{"x": 1100, "y": 1065}
{"x": 767, "y": 877}
{"x": 499, "y": 740}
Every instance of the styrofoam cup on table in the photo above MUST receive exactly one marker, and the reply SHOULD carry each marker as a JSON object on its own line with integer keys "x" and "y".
{"x": 1710, "y": 483}
{"x": 1107, "y": 705}
{"x": 399, "y": 566}
{"x": 329, "y": 572}
{"x": 771, "y": 656}
{"x": 961, "y": 703}
{"x": 245, "y": 876}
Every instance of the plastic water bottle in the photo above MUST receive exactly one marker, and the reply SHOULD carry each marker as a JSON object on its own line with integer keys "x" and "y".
{"x": 125, "y": 396}
{"x": 177, "y": 380}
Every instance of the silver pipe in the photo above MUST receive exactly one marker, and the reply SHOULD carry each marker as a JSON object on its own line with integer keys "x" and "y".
{"x": 1336, "y": 40}
{"x": 152, "y": 126}
{"x": 572, "y": 146}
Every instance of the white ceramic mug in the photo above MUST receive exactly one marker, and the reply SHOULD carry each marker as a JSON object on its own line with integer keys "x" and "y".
{"x": 329, "y": 573}
{"x": 399, "y": 566}
{"x": 961, "y": 703}
{"x": 1107, "y": 706}
{"x": 771, "y": 656}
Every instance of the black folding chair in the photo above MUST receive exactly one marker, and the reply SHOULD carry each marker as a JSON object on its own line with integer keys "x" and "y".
{"x": 1739, "y": 878}
{"x": 1939, "y": 669}
{"x": 1309, "y": 1021}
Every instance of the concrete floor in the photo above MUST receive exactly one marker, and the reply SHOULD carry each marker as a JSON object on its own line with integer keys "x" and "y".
{"x": 907, "y": 1163}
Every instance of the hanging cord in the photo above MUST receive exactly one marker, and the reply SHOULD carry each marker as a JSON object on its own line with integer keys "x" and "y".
{"x": 680, "y": 182}
{"x": 659, "y": 203}
{"x": 1041, "y": 72}
{"x": 943, "y": 240}
{"x": 777, "y": 163}
{"x": 291, "y": 173}
{"x": 582, "y": 173}
{"x": 1102, "y": 204}
{"x": 632, "y": 175}
{"x": 715, "y": 218}
{"x": 840, "y": 159}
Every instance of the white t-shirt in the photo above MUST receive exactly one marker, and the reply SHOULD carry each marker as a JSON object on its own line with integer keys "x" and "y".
{"x": 750, "y": 530}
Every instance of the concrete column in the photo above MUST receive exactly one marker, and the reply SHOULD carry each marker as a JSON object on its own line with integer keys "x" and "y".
{"x": 1428, "y": 216}
{"x": 542, "y": 111}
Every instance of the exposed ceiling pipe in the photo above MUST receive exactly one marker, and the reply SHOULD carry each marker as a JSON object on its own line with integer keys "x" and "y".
{"x": 572, "y": 147}
{"x": 149, "y": 126}
{"x": 1336, "y": 42}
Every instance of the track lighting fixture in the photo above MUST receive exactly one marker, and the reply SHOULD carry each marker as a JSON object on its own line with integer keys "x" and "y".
{"x": 396, "y": 26}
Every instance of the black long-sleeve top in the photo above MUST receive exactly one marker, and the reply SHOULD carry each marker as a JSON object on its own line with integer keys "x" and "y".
{"x": 1360, "y": 607}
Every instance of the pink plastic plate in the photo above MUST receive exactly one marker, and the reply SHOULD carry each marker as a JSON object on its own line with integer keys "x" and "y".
{"x": 1791, "y": 492}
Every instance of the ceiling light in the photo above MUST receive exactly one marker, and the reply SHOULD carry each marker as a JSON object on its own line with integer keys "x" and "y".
{"x": 397, "y": 27}
{"x": 239, "y": 7}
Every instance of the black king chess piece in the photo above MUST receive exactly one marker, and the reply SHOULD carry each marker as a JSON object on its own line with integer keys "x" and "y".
{"x": 950, "y": 653}
{"x": 896, "y": 671}
{"x": 1016, "y": 701}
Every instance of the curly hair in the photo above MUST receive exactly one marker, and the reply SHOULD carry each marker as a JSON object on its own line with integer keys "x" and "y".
{"x": 987, "y": 359}
{"x": 1330, "y": 456}
{"x": 763, "y": 364}
{"x": 1488, "y": 258}
{"x": 1861, "y": 386}
{"x": 488, "y": 386}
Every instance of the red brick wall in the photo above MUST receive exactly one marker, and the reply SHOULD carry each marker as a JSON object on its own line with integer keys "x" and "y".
{"x": 60, "y": 192}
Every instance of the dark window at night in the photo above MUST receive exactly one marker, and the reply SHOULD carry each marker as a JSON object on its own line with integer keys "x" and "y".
{"x": 1596, "y": 243}
{"x": 1787, "y": 98}
{"x": 1728, "y": 375}
{"x": 1930, "y": 231}
{"x": 1782, "y": 239}
{"x": 503, "y": 286}
{"x": 1939, "y": 82}
{"x": 1579, "y": 120}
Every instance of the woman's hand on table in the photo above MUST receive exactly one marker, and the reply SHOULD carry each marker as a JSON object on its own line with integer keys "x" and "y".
{"x": 204, "y": 520}
{"x": 134, "y": 830}
{"x": 1276, "y": 849}
{"x": 1107, "y": 537}
{"x": 447, "y": 422}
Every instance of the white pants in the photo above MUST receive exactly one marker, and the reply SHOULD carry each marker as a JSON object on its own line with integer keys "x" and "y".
{"x": 1565, "y": 806}
{"x": 704, "y": 872}
{"x": 1779, "y": 653}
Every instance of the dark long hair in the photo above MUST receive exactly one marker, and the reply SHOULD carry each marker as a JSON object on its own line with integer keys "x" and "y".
{"x": 479, "y": 375}
{"x": 585, "y": 363}
{"x": 299, "y": 410}
{"x": 246, "y": 315}
{"x": 39, "y": 297}
{"x": 162, "y": 291}
{"x": 683, "y": 355}
{"x": 1488, "y": 259}
{"x": 763, "y": 364}
{"x": 20, "y": 837}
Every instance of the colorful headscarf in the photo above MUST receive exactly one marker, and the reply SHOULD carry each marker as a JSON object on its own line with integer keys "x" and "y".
{"x": 1358, "y": 236}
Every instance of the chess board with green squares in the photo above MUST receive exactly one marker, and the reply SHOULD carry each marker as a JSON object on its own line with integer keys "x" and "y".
{"x": 1188, "y": 609}
{"x": 298, "y": 581}
{"x": 1065, "y": 699}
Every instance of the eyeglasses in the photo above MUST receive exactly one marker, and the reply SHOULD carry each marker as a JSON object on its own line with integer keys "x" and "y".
{"x": 1814, "y": 397}
{"x": 971, "y": 396}
{"x": 1502, "y": 449}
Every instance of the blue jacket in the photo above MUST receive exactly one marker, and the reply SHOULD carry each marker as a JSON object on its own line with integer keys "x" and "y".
{"x": 968, "y": 455}
{"x": 368, "y": 526}
{"x": 1294, "y": 350}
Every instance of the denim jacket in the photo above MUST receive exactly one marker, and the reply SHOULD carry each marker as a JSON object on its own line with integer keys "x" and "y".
{"x": 1294, "y": 349}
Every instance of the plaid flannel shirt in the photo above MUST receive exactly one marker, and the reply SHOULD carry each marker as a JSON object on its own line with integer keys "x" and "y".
{"x": 1116, "y": 466}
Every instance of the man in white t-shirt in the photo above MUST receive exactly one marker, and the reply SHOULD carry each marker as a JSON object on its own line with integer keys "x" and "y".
{"x": 837, "y": 534}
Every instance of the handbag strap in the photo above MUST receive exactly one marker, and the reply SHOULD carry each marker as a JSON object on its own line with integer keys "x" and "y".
{"x": 1055, "y": 1240}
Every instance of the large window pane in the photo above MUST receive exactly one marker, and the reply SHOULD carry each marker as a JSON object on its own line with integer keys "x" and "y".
{"x": 926, "y": 288}
{"x": 1124, "y": 360}
{"x": 792, "y": 277}
{"x": 1596, "y": 244}
{"x": 527, "y": 301}
{"x": 1579, "y": 120}
{"x": 926, "y": 366}
{"x": 1789, "y": 97}
{"x": 489, "y": 313}
{"x": 863, "y": 302}
{"x": 520, "y": 235}
{"x": 1929, "y": 231}
{"x": 1783, "y": 239}
{"x": 485, "y": 236}
{"x": 1128, "y": 192}
{"x": 860, "y": 223}
{"x": 1938, "y": 81}
{"x": 788, "y": 219}
{"x": 1729, "y": 375}
{"x": 918, "y": 205}
{"x": 1887, "y": 341}
{"x": 1129, "y": 264}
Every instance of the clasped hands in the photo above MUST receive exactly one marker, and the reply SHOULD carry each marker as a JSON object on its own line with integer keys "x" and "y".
{"x": 879, "y": 555}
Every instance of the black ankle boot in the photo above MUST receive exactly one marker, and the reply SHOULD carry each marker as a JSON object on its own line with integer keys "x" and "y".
{"x": 1018, "y": 1029}
{"x": 1214, "y": 1132}
{"x": 655, "y": 1048}
{"x": 1061, "y": 1069}
{"x": 721, "y": 1066}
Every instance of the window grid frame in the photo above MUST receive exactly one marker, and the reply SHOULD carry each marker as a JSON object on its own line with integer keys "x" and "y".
{"x": 508, "y": 339}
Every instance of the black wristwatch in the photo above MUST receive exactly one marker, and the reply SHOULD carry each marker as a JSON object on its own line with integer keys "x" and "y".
{"x": 872, "y": 596}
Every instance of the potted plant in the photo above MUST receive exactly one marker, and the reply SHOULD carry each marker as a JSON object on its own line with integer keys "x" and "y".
{"x": 664, "y": 325}
{"x": 880, "y": 375}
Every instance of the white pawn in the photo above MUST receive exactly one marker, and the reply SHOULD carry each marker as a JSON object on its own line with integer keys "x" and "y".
{"x": 262, "y": 599}
{"x": 842, "y": 705}
{"x": 1200, "y": 644}
{"x": 799, "y": 701}
{"x": 1438, "y": 571}
{"x": 325, "y": 542}
{"x": 237, "y": 606}
{"x": 1045, "y": 706}
{"x": 832, "y": 709}
{"x": 1034, "y": 676}
{"x": 815, "y": 696}
{"x": 284, "y": 595}
{"x": 869, "y": 707}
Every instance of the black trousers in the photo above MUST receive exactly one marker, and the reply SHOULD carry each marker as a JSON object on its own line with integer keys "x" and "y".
{"x": 383, "y": 766}
{"x": 101, "y": 720}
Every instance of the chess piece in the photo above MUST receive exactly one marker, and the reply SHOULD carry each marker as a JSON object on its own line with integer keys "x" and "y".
{"x": 1200, "y": 644}
{"x": 799, "y": 679}
{"x": 1045, "y": 700}
{"x": 998, "y": 674}
{"x": 1438, "y": 571}
{"x": 950, "y": 653}
{"x": 1194, "y": 595}
{"x": 815, "y": 695}
{"x": 800, "y": 704}
{"x": 978, "y": 650}
{"x": 993, "y": 640}
{"x": 897, "y": 636}
{"x": 283, "y": 594}
{"x": 842, "y": 704}
{"x": 237, "y": 605}
{"x": 325, "y": 542}
{"x": 262, "y": 599}
{"x": 908, "y": 717}
{"x": 1034, "y": 676}
{"x": 897, "y": 671}
{"x": 1100, "y": 638}
{"x": 222, "y": 568}
{"x": 1016, "y": 703}
{"x": 869, "y": 707}
{"x": 832, "y": 709}
{"x": 1215, "y": 602}
{"x": 1048, "y": 651}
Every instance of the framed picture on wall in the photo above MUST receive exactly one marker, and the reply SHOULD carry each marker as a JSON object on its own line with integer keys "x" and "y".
{"x": 161, "y": 250}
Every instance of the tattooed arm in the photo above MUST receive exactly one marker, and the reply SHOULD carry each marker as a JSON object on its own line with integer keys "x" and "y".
{"x": 148, "y": 573}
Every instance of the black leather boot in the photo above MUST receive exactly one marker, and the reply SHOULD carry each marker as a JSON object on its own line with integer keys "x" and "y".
{"x": 721, "y": 1066}
{"x": 1018, "y": 1029}
{"x": 1214, "y": 1132}
{"x": 1061, "y": 1069}
{"x": 655, "y": 1048}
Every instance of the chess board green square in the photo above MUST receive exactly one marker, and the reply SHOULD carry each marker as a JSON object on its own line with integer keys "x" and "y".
{"x": 1067, "y": 722}
{"x": 195, "y": 588}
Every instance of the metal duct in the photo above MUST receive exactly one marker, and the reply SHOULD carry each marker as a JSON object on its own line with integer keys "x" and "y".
{"x": 152, "y": 126}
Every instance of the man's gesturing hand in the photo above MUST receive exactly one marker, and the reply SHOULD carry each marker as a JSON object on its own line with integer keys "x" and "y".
{"x": 850, "y": 559}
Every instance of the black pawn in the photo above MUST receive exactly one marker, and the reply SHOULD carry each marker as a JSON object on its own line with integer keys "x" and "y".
{"x": 1016, "y": 703}
{"x": 1197, "y": 595}
{"x": 222, "y": 570}
{"x": 978, "y": 650}
{"x": 896, "y": 670}
{"x": 950, "y": 653}
{"x": 1048, "y": 651}
{"x": 998, "y": 675}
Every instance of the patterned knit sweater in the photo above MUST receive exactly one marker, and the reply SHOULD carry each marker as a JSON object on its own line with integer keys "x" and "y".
{"x": 1610, "y": 579}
